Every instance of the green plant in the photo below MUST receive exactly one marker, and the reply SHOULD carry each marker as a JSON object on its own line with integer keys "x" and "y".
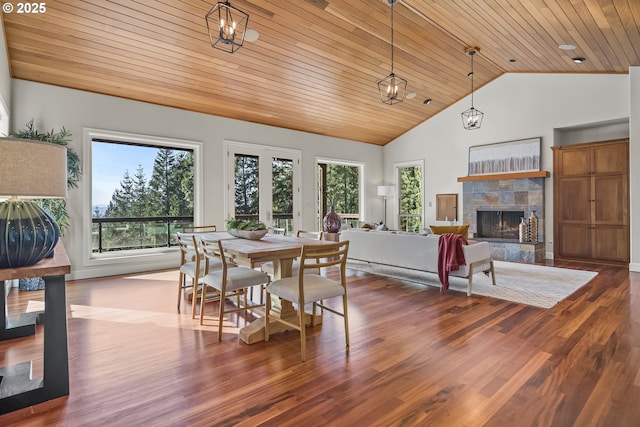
{"x": 245, "y": 224}
{"x": 57, "y": 207}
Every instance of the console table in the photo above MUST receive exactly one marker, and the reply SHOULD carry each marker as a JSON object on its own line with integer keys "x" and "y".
{"x": 17, "y": 389}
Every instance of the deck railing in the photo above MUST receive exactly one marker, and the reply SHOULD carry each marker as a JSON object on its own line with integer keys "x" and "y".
{"x": 118, "y": 234}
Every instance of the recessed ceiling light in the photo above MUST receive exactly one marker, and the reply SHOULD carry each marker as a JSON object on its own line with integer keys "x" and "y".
{"x": 251, "y": 35}
{"x": 427, "y": 101}
{"x": 411, "y": 95}
{"x": 578, "y": 59}
{"x": 567, "y": 47}
{"x": 512, "y": 60}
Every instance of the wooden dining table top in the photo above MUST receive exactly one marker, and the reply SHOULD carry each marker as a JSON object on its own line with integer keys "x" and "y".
{"x": 270, "y": 248}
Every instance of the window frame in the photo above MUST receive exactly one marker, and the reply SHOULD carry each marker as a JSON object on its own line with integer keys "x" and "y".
{"x": 90, "y": 259}
{"x": 361, "y": 192}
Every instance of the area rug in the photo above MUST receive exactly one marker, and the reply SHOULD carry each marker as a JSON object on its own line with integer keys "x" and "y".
{"x": 535, "y": 285}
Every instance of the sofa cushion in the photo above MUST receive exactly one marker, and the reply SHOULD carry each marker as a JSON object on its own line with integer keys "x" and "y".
{"x": 462, "y": 230}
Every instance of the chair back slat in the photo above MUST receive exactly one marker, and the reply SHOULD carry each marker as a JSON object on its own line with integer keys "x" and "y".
{"x": 315, "y": 235}
{"x": 199, "y": 229}
{"x": 327, "y": 255}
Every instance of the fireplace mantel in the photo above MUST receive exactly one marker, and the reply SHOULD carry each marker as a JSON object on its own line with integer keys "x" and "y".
{"x": 497, "y": 176}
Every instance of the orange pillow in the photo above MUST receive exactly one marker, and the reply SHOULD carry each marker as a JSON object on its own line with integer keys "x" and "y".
{"x": 462, "y": 230}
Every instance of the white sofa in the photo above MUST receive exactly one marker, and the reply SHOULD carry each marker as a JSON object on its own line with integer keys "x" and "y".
{"x": 414, "y": 251}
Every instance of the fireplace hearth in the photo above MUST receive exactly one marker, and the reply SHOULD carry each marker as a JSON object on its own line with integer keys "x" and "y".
{"x": 498, "y": 224}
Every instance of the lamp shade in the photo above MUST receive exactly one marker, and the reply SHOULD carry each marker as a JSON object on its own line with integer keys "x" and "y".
{"x": 32, "y": 169}
{"x": 29, "y": 169}
{"x": 385, "y": 190}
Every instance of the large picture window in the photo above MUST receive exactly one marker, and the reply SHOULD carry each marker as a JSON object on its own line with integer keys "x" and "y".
{"x": 142, "y": 191}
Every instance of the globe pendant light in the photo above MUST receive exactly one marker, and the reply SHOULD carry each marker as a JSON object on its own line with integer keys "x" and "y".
{"x": 392, "y": 88}
{"x": 472, "y": 118}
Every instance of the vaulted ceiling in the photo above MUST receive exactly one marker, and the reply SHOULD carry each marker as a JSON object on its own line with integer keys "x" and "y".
{"x": 316, "y": 63}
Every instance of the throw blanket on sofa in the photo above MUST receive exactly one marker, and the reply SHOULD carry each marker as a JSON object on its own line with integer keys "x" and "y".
{"x": 450, "y": 256}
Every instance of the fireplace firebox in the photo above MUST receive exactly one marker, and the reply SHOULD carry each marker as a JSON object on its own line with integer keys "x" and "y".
{"x": 498, "y": 224}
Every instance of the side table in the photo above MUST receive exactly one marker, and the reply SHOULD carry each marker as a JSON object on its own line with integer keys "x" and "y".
{"x": 17, "y": 389}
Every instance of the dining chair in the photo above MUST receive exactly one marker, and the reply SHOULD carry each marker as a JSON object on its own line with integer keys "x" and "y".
{"x": 313, "y": 289}
{"x": 194, "y": 266}
{"x": 199, "y": 229}
{"x": 268, "y": 267}
{"x": 231, "y": 280}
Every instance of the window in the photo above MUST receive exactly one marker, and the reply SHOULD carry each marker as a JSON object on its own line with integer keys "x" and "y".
{"x": 339, "y": 184}
{"x": 141, "y": 190}
{"x": 410, "y": 196}
{"x": 263, "y": 184}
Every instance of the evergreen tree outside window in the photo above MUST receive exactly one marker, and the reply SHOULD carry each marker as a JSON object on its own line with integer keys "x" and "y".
{"x": 163, "y": 190}
{"x": 410, "y": 197}
{"x": 339, "y": 185}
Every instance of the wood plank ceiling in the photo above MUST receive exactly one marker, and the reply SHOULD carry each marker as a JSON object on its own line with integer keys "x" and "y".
{"x": 316, "y": 63}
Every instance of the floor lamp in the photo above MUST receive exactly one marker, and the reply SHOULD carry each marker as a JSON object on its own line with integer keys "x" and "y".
{"x": 385, "y": 191}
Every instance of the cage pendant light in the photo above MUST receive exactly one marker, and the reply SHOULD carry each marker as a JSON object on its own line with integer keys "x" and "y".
{"x": 392, "y": 88}
{"x": 226, "y": 26}
{"x": 472, "y": 118}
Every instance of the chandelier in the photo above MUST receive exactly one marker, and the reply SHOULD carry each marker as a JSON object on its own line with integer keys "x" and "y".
{"x": 226, "y": 25}
{"x": 392, "y": 88}
{"x": 472, "y": 118}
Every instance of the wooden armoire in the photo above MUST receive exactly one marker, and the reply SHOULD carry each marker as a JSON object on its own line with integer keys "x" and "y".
{"x": 591, "y": 202}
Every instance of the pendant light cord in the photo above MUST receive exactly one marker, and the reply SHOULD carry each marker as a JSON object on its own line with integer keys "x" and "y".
{"x": 391, "y": 38}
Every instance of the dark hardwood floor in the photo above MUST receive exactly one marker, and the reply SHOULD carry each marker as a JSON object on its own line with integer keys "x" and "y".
{"x": 417, "y": 358}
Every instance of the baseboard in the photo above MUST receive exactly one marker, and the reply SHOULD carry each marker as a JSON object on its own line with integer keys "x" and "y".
{"x": 634, "y": 266}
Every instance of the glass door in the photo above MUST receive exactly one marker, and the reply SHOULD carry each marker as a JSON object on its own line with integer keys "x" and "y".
{"x": 264, "y": 185}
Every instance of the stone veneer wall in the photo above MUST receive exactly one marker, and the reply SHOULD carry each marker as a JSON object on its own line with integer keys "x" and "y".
{"x": 522, "y": 194}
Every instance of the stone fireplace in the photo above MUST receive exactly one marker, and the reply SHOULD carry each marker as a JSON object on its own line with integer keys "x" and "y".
{"x": 493, "y": 208}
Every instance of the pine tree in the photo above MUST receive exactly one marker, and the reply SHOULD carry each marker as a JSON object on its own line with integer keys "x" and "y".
{"x": 161, "y": 184}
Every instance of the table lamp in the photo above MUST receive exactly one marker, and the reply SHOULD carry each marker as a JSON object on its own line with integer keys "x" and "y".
{"x": 29, "y": 170}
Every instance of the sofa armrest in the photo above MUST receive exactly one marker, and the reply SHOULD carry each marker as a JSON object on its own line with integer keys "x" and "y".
{"x": 473, "y": 253}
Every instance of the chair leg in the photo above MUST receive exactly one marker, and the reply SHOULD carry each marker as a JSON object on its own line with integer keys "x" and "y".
{"x": 203, "y": 298}
{"x": 267, "y": 308}
{"x": 221, "y": 314}
{"x": 180, "y": 288}
{"x": 346, "y": 318}
{"x": 493, "y": 273}
{"x": 194, "y": 298}
{"x": 303, "y": 333}
{"x": 470, "y": 280}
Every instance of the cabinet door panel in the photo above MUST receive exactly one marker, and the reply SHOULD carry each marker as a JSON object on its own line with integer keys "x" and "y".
{"x": 610, "y": 158}
{"x": 575, "y": 162}
{"x": 574, "y": 196}
{"x": 610, "y": 199}
{"x": 611, "y": 243}
{"x": 575, "y": 241}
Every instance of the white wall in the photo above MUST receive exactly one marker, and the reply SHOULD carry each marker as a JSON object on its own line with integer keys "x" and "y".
{"x": 52, "y": 107}
{"x": 5, "y": 83}
{"x": 516, "y": 106}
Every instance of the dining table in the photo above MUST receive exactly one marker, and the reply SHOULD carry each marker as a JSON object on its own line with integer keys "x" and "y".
{"x": 277, "y": 248}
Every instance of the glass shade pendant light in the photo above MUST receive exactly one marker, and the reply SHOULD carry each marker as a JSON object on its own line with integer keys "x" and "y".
{"x": 226, "y": 25}
{"x": 472, "y": 118}
{"x": 392, "y": 88}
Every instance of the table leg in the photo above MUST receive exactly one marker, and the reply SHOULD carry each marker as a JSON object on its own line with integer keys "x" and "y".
{"x": 254, "y": 332}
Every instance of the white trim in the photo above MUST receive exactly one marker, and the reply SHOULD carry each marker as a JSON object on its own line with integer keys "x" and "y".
{"x": 161, "y": 257}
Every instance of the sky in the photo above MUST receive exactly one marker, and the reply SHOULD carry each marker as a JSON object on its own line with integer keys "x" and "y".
{"x": 111, "y": 161}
